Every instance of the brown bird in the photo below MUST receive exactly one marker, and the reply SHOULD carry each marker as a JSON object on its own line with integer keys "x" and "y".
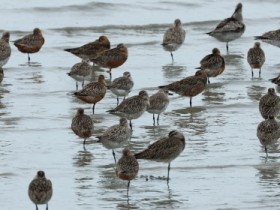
{"x": 82, "y": 125}
{"x": 190, "y": 86}
{"x": 91, "y": 49}
{"x": 270, "y": 37}
{"x": 256, "y": 58}
{"x": 30, "y": 43}
{"x": 40, "y": 190}
{"x": 112, "y": 58}
{"x": 269, "y": 104}
{"x": 127, "y": 167}
{"x": 164, "y": 150}
{"x": 213, "y": 64}
{"x": 5, "y": 48}
{"x": 93, "y": 92}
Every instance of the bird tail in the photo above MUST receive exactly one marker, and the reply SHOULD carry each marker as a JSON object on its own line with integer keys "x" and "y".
{"x": 162, "y": 87}
{"x": 259, "y": 37}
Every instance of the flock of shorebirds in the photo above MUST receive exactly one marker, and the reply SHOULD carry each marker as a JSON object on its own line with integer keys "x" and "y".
{"x": 167, "y": 148}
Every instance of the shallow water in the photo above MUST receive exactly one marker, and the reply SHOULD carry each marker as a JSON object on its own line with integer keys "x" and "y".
{"x": 223, "y": 165}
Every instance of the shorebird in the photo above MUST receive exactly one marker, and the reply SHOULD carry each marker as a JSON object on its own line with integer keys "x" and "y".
{"x": 116, "y": 136}
{"x": 93, "y": 92}
{"x": 121, "y": 86}
{"x": 132, "y": 107}
{"x": 1, "y": 74}
{"x": 270, "y": 37}
{"x": 269, "y": 104}
{"x": 158, "y": 103}
{"x": 164, "y": 150}
{"x": 40, "y": 190}
{"x": 5, "y": 49}
{"x": 276, "y": 80}
{"x": 81, "y": 71}
{"x": 213, "y": 64}
{"x": 230, "y": 28}
{"x": 174, "y": 37}
{"x": 268, "y": 132}
{"x": 256, "y": 58}
{"x": 190, "y": 86}
{"x": 127, "y": 167}
{"x": 82, "y": 125}
{"x": 91, "y": 49}
{"x": 30, "y": 43}
{"x": 112, "y": 58}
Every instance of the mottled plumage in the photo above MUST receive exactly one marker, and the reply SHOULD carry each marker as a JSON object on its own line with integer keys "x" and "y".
{"x": 5, "y": 49}
{"x": 190, "y": 86}
{"x": 270, "y": 37}
{"x": 164, "y": 150}
{"x": 268, "y": 132}
{"x": 112, "y": 58}
{"x": 122, "y": 86}
{"x": 174, "y": 37}
{"x": 158, "y": 103}
{"x": 82, "y": 125}
{"x": 91, "y": 49}
{"x": 30, "y": 43}
{"x": 81, "y": 71}
{"x": 127, "y": 167}
{"x": 40, "y": 190}
{"x": 230, "y": 28}
{"x": 276, "y": 80}
{"x": 256, "y": 58}
{"x": 1, "y": 74}
{"x": 269, "y": 104}
{"x": 93, "y": 92}
{"x": 213, "y": 64}
{"x": 116, "y": 136}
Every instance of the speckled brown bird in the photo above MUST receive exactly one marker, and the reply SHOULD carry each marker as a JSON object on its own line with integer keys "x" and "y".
{"x": 164, "y": 150}
{"x": 213, "y": 64}
{"x": 93, "y": 92}
{"x": 268, "y": 132}
{"x": 269, "y": 104}
{"x": 91, "y": 49}
{"x": 30, "y": 43}
{"x": 112, "y": 58}
{"x": 82, "y": 125}
{"x": 256, "y": 58}
{"x": 40, "y": 190}
{"x": 190, "y": 86}
{"x": 5, "y": 48}
{"x": 270, "y": 37}
{"x": 127, "y": 167}
{"x": 174, "y": 37}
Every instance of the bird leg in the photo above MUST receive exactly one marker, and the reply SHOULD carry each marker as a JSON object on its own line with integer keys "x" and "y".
{"x": 117, "y": 100}
{"x": 154, "y": 123}
{"x": 93, "y": 108}
{"x": 47, "y": 207}
{"x": 76, "y": 85}
{"x": 260, "y": 72}
{"x": 128, "y": 187}
{"x": 158, "y": 119}
{"x": 130, "y": 124}
{"x": 190, "y": 101}
{"x": 227, "y": 46}
{"x": 168, "y": 169}
{"x": 113, "y": 152}
{"x": 172, "y": 57}
{"x": 252, "y": 73}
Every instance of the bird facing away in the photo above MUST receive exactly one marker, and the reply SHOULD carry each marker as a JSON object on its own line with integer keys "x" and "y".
{"x": 112, "y": 58}
{"x": 81, "y": 71}
{"x": 30, "y": 43}
{"x": 132, "y": 107}
{"x": 122, "y": 86}
{"x": 116, "y": 136}
{"x": 174, "y": 37}
{"x": 164, "y": 150}
{"x": 230, "y": 28}
{"x": 269, "y": 104}
{"x": 256, "y": 58}
{"x": 190, "y": 86}
{"x": 82, "y": 125}
{"x": 127, "y": 167}
{"x": 270, "y": 37}
{"x": 93, "y": 92}
{"x": 276, "y": 80}
{"x": 40, "y": 190}
{"x": 91, "y": 49}
{"x": 268, "y": 132}
{"x": 158, "y": 103}
{"x": 5, "y": 49}
{"x": 213, "y": 64}
{"x": 1, "y": 74}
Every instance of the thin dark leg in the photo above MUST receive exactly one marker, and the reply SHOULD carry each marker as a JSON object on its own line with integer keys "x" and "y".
{"x": 84, "y": 143}
{"x": 252, "y": 73}
{"x": 158, "y": 119}
{"x": 113, "y": 152}
{"x": 168, "y": 169}
{"x": 227, "y": 46}
{"x": 154, "y": 121}
{"x": 260, "y": 72}
{"x": 265, "y": 149}
{"x": 117, "y": 100}
{"x": 190, "y": 101}
{"x": 76, "y": 85}
{"x": 83, "y": 83}
{"x": 172, "y": 57}
{"x": 130, "y": 124}
{"x": 128, "y": 187}
{"x": 110, "y": 72}
{"x": 47, "y": 207}
{"x": 36, "y": 206}
{"x": 208, "y": 80}
{"x": 28, "y": 57}
{"x": 93, "y": 108}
